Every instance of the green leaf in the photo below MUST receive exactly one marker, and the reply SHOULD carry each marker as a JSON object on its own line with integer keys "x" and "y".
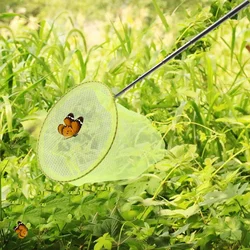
{"x": 230, "y": 229}
{"x": 5, "y": 223}
{"x": 10, "y": 15}
{"x": 104, "y": 241}
{"x": 186, "y": 213}
{"x": 180, "y": 230}
{"x": 135, "y": 189}
{"x": 183, "y": 153}
{"x": 161, "y": 15}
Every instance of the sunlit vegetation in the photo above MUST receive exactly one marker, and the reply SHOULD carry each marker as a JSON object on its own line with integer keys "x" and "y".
{"x": 198, "y": 196}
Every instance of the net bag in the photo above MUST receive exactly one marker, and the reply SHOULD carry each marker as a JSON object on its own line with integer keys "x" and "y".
{"x": 112, "y": 143}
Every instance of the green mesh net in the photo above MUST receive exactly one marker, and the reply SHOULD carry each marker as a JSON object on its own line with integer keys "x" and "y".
{"x": 137, "y": 146}
{"x": 68, "y": 159}
{"x": 112, "y": 144}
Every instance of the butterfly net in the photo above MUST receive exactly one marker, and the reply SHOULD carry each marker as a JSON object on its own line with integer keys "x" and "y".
{"x": 112, "y": 144}
{"x": 66, "y": 159}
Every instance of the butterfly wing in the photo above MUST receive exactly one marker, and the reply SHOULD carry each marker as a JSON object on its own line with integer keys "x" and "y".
{"x": 77, "y": 124}
{"x": 60, "y": 128}
{"x": 21, "y": 230}
{"x": 68, "y": 131}
{"x": 69, "y": 119}
{"x": 72, "y": 126}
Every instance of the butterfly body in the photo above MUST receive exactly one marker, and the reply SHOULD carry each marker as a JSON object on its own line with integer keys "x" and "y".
{"x": 72, "y": 126}
{"x": 21, "y": 230}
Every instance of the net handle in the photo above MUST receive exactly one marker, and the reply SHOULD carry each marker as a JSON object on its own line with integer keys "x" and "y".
{"x": 185, "y": 46}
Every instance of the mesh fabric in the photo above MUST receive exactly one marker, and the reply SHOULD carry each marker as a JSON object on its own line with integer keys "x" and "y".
{"x": 136, "y": 147}
{"x": 64, "y": 159}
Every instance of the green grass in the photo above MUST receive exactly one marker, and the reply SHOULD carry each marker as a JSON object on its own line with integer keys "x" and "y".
{"x": 197, "y": 197}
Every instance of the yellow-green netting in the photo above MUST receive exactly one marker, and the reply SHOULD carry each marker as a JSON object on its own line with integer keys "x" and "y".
{"x": 137, "y": 146}
{"x": 112, "y": 144}
{"x": 69, "y": 159}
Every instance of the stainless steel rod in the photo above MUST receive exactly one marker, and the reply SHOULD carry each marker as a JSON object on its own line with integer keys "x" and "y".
{"x": 185, "y": 46}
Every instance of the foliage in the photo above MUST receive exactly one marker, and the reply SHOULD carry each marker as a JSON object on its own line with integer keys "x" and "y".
{"x": 197, "y": 196}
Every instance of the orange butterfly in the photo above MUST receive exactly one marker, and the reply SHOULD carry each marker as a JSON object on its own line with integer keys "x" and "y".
{"x": 21, "y": 230}
{"x": 72, "y": 126}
